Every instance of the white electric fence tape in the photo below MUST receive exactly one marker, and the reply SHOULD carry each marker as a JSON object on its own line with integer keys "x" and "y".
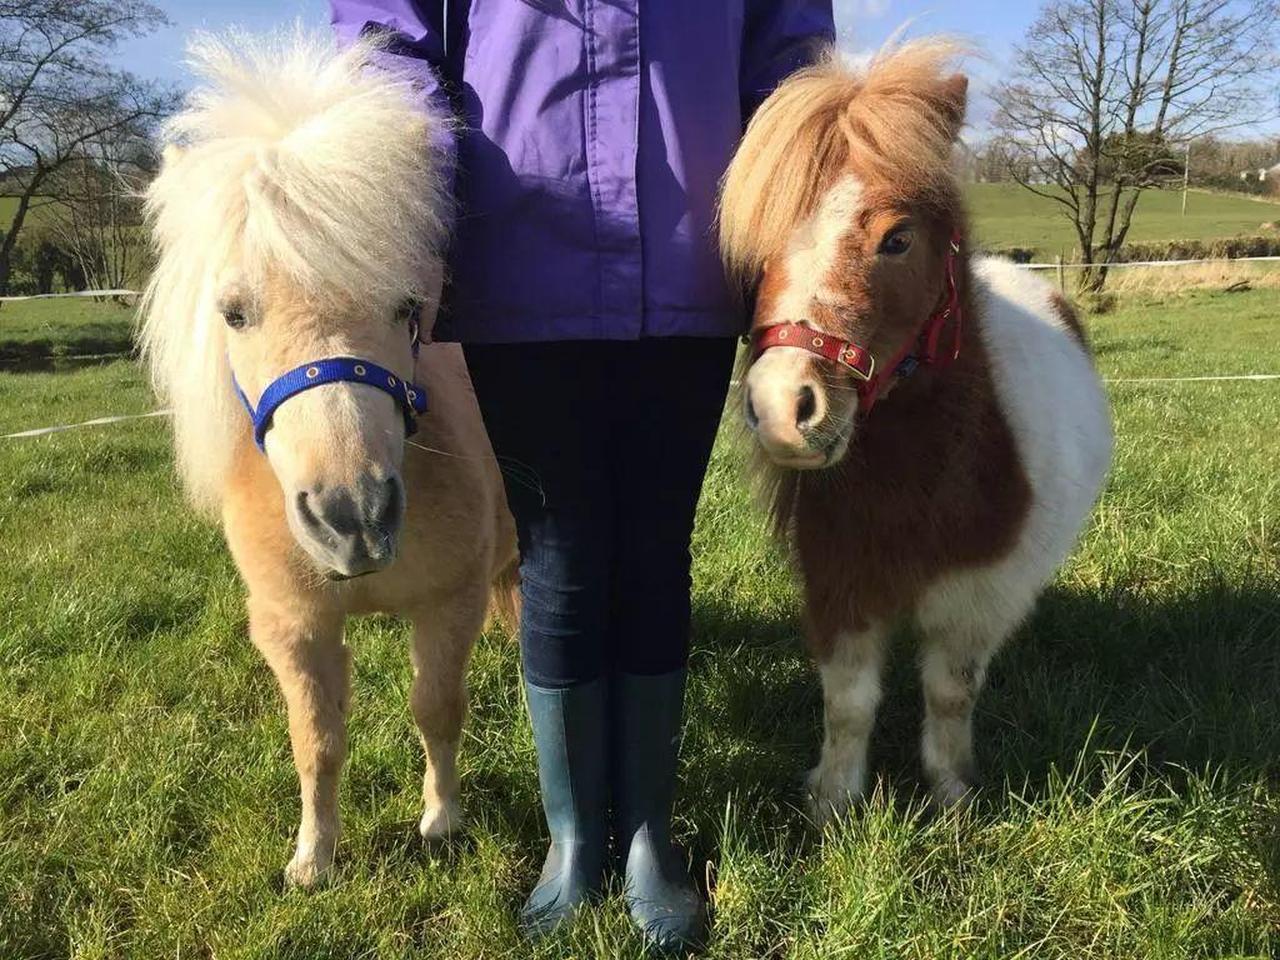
{"x": 76, "y": 293}
{"x": 1067, "y": 265}
{"x": 100, "y": 421}
{"x": 1242, "y": 376}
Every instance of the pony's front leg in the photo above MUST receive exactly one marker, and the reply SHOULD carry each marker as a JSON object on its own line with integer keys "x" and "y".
{"x": 952, "y": 677}
{"x": 962, "y": 622}
{"x": 443, "y": 635}
{"x": 850, "y": 673}
{"x": 305, "y": 652}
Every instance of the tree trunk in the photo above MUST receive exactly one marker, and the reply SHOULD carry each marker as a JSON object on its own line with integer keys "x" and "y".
{"x": 10, "y": 241}
{"x": 1087, "y": 281}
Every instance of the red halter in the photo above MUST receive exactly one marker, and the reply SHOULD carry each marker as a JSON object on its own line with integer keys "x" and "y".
{"x": 858, "y": 360}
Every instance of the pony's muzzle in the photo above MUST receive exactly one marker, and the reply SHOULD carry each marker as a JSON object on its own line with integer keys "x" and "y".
{"x": 785, "y": 413}
{"x": 352, "y": 529}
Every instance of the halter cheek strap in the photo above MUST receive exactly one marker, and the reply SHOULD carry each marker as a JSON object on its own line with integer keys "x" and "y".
{"x": 409, "y": 397}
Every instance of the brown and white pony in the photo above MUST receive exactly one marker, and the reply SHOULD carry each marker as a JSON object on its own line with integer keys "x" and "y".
{"x": 298, "y": 210}
{"x": 933, "y": 430}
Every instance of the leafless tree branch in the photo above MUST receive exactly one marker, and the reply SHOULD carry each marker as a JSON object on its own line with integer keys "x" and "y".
{"x": 1104, "y": 96}
{"x": 59, "y": 97}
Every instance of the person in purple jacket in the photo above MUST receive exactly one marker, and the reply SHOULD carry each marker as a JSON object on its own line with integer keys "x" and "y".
{"x": 586, "y": 289}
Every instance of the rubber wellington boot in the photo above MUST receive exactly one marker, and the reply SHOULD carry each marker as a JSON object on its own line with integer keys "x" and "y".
{"x": 570, "y": 730}
{"x": 661, "y": 900}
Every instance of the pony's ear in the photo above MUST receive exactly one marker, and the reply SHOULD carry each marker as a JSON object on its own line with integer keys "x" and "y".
{"x": 952, "y": 98}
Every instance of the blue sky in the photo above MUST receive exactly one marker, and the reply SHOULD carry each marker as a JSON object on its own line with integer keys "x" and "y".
{"x": 863, "y": 24}
{"x": 993, "y": 25}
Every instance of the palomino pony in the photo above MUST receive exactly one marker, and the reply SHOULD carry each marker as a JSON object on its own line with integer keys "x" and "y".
{"x": 934, "y": 433}
{"x": 299, "y": 221}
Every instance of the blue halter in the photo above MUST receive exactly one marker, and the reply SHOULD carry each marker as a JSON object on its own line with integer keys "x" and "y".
{"x": 409, "y": 397}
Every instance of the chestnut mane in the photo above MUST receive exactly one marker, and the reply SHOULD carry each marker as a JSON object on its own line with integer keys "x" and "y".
{"x": 891, "y": 118}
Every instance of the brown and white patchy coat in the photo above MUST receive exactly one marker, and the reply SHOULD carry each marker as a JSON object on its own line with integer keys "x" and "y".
{"x": 299, "y": 212}
{"x": 955, "y": 497}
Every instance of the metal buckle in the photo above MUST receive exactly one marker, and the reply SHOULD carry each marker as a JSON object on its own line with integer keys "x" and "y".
{"x": 871, "y": 372}
{"x": 848, "y": 365}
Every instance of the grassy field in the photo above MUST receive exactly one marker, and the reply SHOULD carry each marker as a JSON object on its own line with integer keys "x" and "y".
{"x": 1129, "y": 736}
{"x": 8, "y": 205}
{"x": 1006, "y": 215}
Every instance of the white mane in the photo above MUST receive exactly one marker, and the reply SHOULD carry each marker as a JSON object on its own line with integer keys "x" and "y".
{"x": 292, "y": 159}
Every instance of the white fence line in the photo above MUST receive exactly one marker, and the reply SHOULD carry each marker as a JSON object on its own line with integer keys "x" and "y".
{"x": 1146, "y": 263}
{"x": 64, "y": 357}
{"x": 96, "y": 422}
{"x": 102, "y": 421}
{"x": 1241, "y": 376}
{"x": 1066, "y": 265}
{"x": 76, "y": 293}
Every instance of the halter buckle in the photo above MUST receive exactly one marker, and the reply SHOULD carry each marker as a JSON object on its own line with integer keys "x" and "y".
{"x": 849, "y": 357}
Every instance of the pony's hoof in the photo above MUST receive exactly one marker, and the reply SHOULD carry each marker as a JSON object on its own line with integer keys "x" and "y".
{"x": 828, "y": 798}
{"x": 441, "y": 821}
{"x": 949, "y": 792}
{"x": 307, "y": 871}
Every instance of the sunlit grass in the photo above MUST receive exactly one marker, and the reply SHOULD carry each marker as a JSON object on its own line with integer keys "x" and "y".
{"x": 1129, "y": 735}
{"x": 1005, "y": 214}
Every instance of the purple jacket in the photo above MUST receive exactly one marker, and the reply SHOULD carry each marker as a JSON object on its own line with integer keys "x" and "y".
{"x": 593, "y": 136}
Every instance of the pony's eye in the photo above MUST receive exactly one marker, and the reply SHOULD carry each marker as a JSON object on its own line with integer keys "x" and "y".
{"x": 234, "y": 317}
{"x": 896, "y": 243}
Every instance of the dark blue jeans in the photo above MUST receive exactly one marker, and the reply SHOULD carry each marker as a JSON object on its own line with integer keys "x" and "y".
{"x": 603, "y": 445}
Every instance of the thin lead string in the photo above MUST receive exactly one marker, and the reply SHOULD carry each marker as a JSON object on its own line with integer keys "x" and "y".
{"x": 517, "y": 471}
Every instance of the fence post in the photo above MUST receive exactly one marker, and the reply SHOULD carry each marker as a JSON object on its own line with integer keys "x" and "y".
{"x": 1062, "y": 274}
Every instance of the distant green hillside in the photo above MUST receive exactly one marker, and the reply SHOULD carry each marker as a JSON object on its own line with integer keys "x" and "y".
{"x": 1006, "y": 215}
{"x": 7, "y": 207}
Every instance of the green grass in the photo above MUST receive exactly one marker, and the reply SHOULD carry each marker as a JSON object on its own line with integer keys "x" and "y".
{"x": 9, "y": 205}
{"x": 61, "y": 334}
{"x": 1006, "y": 215}
{"x": 1129, "y": 735}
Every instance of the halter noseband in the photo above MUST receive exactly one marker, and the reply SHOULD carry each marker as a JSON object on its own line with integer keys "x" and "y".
{"x": 858, "y": 360}
{"x": 409, "y": 396}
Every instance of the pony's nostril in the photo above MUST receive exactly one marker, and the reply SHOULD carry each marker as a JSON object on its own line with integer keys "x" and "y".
{"x": 334, "y": 515}
{"x": 753, "y": 419}
{"x": 806, "y": 407}
{"x": 354, "y": 525}
{"x": 386, "y": 507}
{"x": 305, "y": 512}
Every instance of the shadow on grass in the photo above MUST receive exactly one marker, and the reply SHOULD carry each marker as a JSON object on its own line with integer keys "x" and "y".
{"x": 399, "y": 840}
{"x": 1189, "y": 680}
{"x": 86, "y": 345}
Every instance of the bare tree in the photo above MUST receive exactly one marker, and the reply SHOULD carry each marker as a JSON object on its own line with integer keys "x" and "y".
{"x": 58, "y": 95}
{"x": 1105, "y": 95}
{"x": 98, "y": 217}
